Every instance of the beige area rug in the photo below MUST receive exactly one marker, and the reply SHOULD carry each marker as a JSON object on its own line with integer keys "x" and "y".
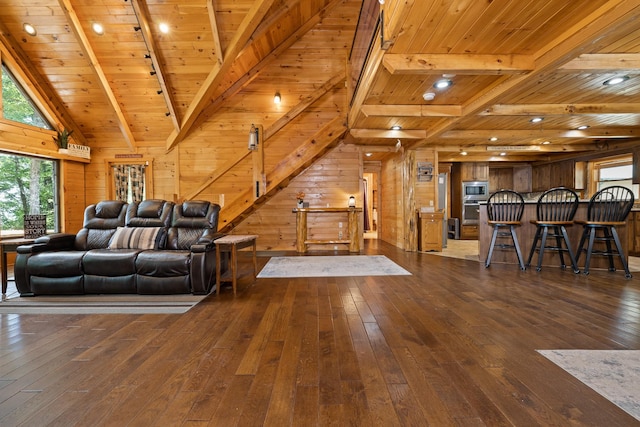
{"x": 331, "y": 266}
{"x": 468, "y": 249}
{"x": 100, "y": 304}
{"x": 614, "y": 374}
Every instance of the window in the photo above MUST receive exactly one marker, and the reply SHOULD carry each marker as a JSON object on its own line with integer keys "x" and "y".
{"x": 16, "y": 105}
{"x": 27, "y": 187}
{"x": 130, "y": 181}
{"x": 617, "y": 171}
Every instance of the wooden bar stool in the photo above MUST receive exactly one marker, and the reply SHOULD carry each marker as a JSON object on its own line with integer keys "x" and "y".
{"x": 607, "y": 209}
{"x": 554, "y": 211}
{"x": 504, "y": 210}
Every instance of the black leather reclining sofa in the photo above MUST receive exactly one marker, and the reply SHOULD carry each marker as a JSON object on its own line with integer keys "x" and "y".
{"x": 150, "y": 247}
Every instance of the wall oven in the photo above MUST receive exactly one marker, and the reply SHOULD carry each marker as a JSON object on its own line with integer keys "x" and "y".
{"x": 473, "y": 192}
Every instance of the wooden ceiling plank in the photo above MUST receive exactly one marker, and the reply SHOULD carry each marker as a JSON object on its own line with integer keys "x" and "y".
{"x": 211, "y": 9}
{"x": 412, "y": 110}
{"x": 603, "y": 62}
{"x": 95, "y": 64}
{"x": 569, "y": 45}
{"x": 257, "y": 12}
{"x": 271, "y": 131}
{"x": 255, "y": 71}
{"x": 560, "y": 109}
{"x": 142, "y": 14}
{"x": 458, "y": 64}
{"x": 303, "y": 105}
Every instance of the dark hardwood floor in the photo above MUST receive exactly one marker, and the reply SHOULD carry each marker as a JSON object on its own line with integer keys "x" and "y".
{"x": 452, "y": 344}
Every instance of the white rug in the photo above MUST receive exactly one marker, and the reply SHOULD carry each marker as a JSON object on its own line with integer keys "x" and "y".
{"x": 614, "y": 374}
{"x": 331, "y": 266}
{"x": 101, "y": 304}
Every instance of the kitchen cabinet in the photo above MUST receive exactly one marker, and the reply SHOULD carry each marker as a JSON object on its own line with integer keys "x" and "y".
{"x": 469, "y": 232}
{"x": 431, "y": 230}
{"x": 475, "y": 171}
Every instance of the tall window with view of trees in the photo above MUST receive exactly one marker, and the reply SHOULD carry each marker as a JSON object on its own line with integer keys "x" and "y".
{"x": 27, "y": 184}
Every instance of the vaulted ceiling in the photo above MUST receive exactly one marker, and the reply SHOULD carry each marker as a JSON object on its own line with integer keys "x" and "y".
{"x": 508, "y": 61}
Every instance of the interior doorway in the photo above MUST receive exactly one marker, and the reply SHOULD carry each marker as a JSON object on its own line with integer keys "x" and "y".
{"x": 371, "y": 196}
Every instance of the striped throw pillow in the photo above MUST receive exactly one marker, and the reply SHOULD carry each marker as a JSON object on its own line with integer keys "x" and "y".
{"x": 136, "y": 238}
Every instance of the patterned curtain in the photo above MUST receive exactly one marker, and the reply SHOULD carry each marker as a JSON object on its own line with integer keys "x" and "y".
{"x": 129, "y": 182}
{"x": 121, "y": 176}
{"x": 136, "y": 175}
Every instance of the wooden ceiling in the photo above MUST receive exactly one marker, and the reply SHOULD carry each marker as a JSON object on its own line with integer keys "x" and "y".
{"x": 508, "y": 60}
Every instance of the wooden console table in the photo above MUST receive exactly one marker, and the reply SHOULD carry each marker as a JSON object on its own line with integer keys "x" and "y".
{"x": 302, "y": 241}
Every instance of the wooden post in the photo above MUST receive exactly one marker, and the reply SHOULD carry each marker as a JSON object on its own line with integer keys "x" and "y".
{"x": 257, "y": 156}
{"x": 301, "y": 230}
{"x": 354, "y": 239}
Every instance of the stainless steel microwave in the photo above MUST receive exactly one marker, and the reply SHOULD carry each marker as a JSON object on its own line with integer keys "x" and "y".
{"x": 475, "y": 190}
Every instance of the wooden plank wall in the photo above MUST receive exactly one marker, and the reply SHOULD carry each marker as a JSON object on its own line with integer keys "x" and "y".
{"x": 391, "y": 228}
{"x": 402, "y": 195}
{"x": 328, "y": 182}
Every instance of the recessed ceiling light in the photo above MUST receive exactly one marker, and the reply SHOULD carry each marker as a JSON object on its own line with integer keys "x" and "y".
{"x": 546, "y": 142}
{"x": 368, "y": 154}
{"x": 442, "y": 84}
{"x": 277, "y": 98}
{"x": 503, "y": 154}
{"x": 97, "y": 28}
{"x": 463, "y": 153}
{"x": 493, "y": 139}
{"x": 615, "y": 80}
{"x": 583, "y": 127}
{"x": 164, "y": 27}
{"x": 30, "y": 29}
{"x": 428, "y": 96}
{"x": 536, "y": 120}
{"x": 396, "y": 127}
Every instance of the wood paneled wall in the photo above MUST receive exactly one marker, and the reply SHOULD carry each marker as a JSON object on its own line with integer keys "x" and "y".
{"x": 402, "y": 194}
{"x": 328, "y": 182}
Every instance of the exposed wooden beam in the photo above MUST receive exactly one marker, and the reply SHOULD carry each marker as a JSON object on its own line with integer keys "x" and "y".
{"x": 575, "y": 41}
{"x": 211, "y": 9}
{"x": 506, "y": 134}
{"x": 76, "y": 26}
{"x": 141, "y": 11}
{"x": 390, "y": 134}
{"x": 257, "y": 12}
{"x": 458, "y": 64}
{"x": 412, "y": 110}
{"x": 603, "y": 62}
{"x": 36, "y": 85}
{"x": 560, "y": 109}
{"x": 539, "y": 148}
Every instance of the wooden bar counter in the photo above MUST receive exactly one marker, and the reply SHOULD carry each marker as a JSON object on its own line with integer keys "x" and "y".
{"x": 302, "y": 241}
{"x": 526, "y": 233}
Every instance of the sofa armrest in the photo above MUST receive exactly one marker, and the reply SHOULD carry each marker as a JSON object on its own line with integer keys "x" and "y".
{"x": 205, "y": 243}
{"x": 51, "y": 242}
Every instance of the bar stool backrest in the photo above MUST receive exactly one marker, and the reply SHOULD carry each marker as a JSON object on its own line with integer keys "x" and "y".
{"x": 611, "y": 204}
{"x": 557, "y": 205}
{"x": 505, "y": 206}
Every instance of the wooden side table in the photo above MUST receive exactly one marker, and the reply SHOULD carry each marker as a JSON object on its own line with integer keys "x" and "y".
{"x": 6, "y": 246}
{"x": 231, "y": 243}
